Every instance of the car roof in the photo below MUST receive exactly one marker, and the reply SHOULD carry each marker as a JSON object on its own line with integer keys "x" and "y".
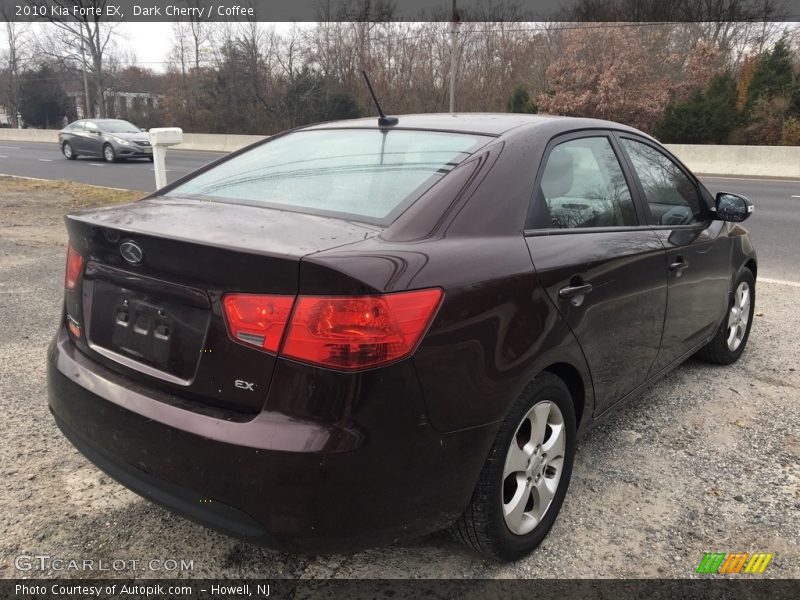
{"x": 494, "y": 124}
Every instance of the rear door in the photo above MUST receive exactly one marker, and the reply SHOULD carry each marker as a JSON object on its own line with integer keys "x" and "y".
{"x": 603, "y": 268}
{"x": 77, "y": 136}
{"x": 92, "y": 140}
{"x": 698, "y": 258}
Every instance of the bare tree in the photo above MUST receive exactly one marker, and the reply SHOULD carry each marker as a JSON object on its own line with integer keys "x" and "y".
{"x": 17, "y": 38}
{"x": 83, "y": 39}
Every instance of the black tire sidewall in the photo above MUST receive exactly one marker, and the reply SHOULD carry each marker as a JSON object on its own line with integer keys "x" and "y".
{"x": 509, "y": 545}
{"x": 72, "y": 150}
{"x": 114, "y": 154}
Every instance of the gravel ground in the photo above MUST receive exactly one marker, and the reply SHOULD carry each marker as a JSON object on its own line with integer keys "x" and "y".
{"x": 707, "y": 459}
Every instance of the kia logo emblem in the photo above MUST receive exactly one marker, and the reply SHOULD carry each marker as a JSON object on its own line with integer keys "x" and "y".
{"x": 131, "y": 252}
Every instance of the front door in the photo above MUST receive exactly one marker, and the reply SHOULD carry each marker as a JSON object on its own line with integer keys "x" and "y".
{"x": 603, "y": 269}
{"x": 697, "y": 257}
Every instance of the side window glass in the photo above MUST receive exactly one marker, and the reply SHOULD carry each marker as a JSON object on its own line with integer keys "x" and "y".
{"x": 672, "y": 197}
{"x": 91, "y": 127}
{"x": 583, "y": 186}
{"x": 77, "y": 126}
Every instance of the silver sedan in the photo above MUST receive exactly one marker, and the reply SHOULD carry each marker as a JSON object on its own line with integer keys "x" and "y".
{"x": 110, "y": 139}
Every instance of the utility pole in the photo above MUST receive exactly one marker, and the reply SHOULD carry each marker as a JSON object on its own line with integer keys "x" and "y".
{"x": 454, "y": 22}
{"x": 89, "y": 113}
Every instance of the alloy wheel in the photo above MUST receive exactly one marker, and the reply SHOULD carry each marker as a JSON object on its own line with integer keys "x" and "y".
{"x": 533, "y": 467}
{"x": 108, "y": 154}
{"x": 67, "y": 149}
{"x": 739, "y": 316}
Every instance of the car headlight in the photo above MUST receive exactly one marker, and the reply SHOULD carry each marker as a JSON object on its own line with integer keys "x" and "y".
{"x": 121, "y": 141}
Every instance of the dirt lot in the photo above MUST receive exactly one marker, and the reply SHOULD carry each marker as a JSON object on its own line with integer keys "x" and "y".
{"x": 707, "y": 459}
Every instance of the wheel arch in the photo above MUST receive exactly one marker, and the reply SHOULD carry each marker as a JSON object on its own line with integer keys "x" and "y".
{"x": 573, "y": 379}
{"x": 752, "y": 265}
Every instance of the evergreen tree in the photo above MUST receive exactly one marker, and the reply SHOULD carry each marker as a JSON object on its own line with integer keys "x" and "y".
{"x": 705, "y": 117}
{"x": 773, "y": 75}
{"x": 43, "y": 101}
{"x": 520, "y": 101}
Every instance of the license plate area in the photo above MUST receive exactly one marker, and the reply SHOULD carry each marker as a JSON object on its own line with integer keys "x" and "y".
{"x": 162, "y": 333}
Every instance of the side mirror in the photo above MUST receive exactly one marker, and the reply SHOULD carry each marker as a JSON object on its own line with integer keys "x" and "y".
{"x": 732, "y": 207}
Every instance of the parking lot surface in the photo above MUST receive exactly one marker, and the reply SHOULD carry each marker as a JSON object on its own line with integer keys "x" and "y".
{"x": 705, "y": 460}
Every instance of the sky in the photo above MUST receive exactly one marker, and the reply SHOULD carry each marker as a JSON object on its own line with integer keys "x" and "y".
{"x": 150, "y": 42}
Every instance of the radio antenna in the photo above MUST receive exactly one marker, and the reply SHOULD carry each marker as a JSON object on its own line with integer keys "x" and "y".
{"x": 383, "y": 120}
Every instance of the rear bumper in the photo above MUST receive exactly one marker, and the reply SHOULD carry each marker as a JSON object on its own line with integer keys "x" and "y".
{"x": 282, "y": 483}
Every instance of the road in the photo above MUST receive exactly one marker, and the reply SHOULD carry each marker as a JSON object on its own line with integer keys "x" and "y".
{"x": 33, "y": 159}
{"x": 775, "y": 226}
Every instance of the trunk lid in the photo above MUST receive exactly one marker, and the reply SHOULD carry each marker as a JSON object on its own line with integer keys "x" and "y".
{"x": 159, "y": 319}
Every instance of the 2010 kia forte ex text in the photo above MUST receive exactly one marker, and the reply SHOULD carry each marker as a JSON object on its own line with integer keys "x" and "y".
{"x": 362, "y": 331}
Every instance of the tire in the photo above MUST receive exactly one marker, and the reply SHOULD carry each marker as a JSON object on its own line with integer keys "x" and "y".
{"x": 68, "y": 152}
{"x": 108, "y": 153}
{"x": 727, "y": 346}
{"x": 484, "y": 526}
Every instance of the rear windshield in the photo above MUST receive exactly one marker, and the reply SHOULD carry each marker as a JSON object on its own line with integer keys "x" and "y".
{"x": 363, "y": 174}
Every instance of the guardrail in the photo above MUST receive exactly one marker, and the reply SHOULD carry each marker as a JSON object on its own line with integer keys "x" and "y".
{"x": 742, "y": 161}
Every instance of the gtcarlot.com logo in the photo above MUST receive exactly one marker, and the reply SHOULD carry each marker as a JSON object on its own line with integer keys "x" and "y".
{"x": 45, "y": 562}
{"x": 728, "y": 563}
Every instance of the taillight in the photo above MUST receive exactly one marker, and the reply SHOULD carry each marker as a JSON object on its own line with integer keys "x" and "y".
{"x": 74, "y": 266}
{"x": 358, "y": 332}
{"x": 258, "y": 320}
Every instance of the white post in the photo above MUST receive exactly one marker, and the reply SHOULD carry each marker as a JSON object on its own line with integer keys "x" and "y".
{"x": 160, "y": 165}
{"x": 162, "y": 138}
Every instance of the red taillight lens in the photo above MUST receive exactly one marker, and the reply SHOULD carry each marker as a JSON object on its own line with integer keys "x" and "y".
{"x": 358, "y": 332}
{"x": 74, "y": 266}
{"x": 258, "y": 320}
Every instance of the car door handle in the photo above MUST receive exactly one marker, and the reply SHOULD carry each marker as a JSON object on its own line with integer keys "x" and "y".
{"x": 572, "y": 291}
{"x": 679, "y": 265}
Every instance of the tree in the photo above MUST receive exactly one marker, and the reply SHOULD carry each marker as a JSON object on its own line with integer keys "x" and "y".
{"x": 43, "y": 101}
{"x": 520, "y": 101}
{"x": 310, "y": 98}
{"x": 773, "y": 75}
{"x": 16, "y": 38}
{"x": 766, "y": 121}
{"x": 705, "y": 117}
{"x": 81, "y": 37}
{"x": 624, "y": 74}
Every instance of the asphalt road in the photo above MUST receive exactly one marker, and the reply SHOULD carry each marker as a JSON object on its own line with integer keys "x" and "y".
{"x": 775, "y": 226}
{"x": 34, "y": 159}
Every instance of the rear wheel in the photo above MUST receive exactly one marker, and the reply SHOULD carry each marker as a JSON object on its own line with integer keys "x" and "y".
{"x": 731, "y": 338}
{"x": 526, "y": 475}
{"x": 69, "y": 153}
{"x": 108, "y": 153}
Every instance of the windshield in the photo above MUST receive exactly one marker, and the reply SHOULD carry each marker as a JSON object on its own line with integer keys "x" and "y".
{"x": 365, "y": 174}
{"x": 118, "y": 127}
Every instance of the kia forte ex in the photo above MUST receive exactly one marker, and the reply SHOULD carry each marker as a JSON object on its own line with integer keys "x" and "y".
{"x": 351, "y": 333}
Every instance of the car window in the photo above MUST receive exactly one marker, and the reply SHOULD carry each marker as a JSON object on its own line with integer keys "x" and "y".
{"x": 583, "y": 186}
{"x": 119, "y": 126}
{"x": 76, "y": 126}
{"x": 91, "y": 126}
{"x": 364, "y": 174}
{"x": 672, "y": 197}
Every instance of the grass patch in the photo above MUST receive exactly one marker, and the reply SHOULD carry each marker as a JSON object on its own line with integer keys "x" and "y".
{"x": 79, "y": 195}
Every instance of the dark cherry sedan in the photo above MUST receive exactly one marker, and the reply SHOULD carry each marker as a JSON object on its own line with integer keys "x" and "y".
{"x": 351, "y": 334}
